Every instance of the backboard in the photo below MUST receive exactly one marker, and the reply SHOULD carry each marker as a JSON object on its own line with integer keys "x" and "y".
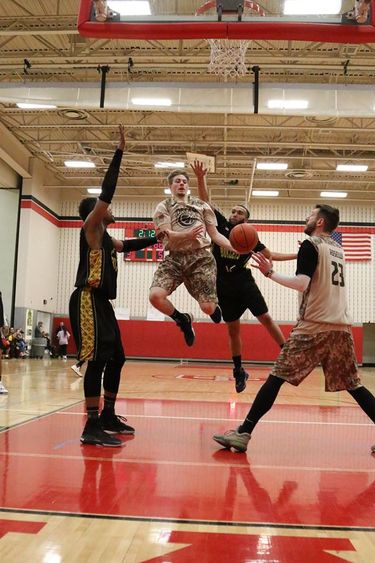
{"x": 228, "y": 19}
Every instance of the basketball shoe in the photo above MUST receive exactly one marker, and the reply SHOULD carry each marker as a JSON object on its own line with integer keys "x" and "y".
{"x": 187, "y": 328}
{"x": 241, "y": 377}
{"x": 76, "y": 370}
{"x": 233, "y": 439}
{"x": 94, "y": 434}
{"x": 3, "y": 390}
{"x": 114, "y": 424}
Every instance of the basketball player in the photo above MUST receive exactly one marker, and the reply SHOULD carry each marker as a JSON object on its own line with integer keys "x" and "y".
{"x": 93, "y": 321}
{"x": 359, "y": 13}
{"x": 183, "y": 223}
{"x": 236, "y": 288}
{"x": 322, "y": 333}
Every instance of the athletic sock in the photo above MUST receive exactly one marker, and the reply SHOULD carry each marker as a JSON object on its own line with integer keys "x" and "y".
{"x": 366, "y": 401}
{"x": 237, "y": 362}
{"x": 92, "y": 413}
{"x": 216, "y": 315}
{"x": 109, "y": 405}
{"x": 177, "y": 316}
{"x": 262, "y": 403}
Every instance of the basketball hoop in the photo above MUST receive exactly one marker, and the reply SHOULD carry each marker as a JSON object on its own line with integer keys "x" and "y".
{"x": 228, "y": 56}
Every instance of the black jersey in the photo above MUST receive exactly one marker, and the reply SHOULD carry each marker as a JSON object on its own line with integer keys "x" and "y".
{"x": 230, "y": 262}
{"x": 97, "y": 269}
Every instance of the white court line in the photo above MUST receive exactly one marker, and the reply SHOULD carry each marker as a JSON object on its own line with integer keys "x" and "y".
{"x": 202, "y": 419}
{"x": 191, "y": 463}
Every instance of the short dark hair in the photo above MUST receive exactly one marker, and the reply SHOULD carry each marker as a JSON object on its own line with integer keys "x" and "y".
{"x": 86, "y": 206}
{"x": 175, "y": 173}
{"x": 331, "y": 216}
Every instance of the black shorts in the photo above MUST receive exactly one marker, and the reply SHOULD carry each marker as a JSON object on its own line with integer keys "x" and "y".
{"x": 238, "y": 292}
{"x": 94, "y": 326}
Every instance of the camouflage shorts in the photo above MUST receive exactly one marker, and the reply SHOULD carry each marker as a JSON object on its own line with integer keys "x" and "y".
{"x": 333, "y": 349}
{"x": 197, "y": 270}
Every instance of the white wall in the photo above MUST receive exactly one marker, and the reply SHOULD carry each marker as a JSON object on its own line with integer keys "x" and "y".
{"x": 38, "y": 262}
{"x": 9, "y": 199}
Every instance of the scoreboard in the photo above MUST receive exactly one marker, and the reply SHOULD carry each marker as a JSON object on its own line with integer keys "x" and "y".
{"x": 150, "y": 254}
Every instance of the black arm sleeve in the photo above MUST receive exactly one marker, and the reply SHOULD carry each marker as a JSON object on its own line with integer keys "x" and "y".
{"x": 110, "y": 178}
{"x": 307, "y": 259}
{"x": 138, "y": 243}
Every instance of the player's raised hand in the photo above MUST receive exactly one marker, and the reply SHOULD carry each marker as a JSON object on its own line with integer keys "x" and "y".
{"x": 261, "y": 262}
{"x": 198, "y": 168}
{"x": 121, "y": 144}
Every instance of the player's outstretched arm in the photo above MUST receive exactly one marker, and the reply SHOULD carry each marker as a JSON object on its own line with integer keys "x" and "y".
{"x": 299, "y": 282}
{"x": 128, "y": 245}
{"x": 282, "y": 257}
{"x": 201, "y": 174}
{"x": 219, "y": 239}
{"x": 108, "y": 185}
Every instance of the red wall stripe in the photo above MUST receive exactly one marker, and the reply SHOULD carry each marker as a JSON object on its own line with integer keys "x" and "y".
{"x": 262, "y": 227}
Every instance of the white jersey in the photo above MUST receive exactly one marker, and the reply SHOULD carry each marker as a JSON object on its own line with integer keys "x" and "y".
{"x": 324, "y": 302}
{"x": 180, "y": 216}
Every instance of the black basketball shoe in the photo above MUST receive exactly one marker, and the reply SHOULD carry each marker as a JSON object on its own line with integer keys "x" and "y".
{"x": 94, "y": 434}
{"x": 186, "y": 325}
{"x": 241, "y": 377}
{"x": 114, "y": 424}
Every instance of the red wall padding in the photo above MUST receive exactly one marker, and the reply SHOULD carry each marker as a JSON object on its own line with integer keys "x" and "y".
{"x": 162, "y": 339}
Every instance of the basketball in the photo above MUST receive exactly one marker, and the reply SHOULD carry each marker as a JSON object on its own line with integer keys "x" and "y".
{"x": 243, "y": 238}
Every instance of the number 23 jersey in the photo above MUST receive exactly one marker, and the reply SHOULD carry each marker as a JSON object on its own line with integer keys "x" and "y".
{"x": 324, "y": 302}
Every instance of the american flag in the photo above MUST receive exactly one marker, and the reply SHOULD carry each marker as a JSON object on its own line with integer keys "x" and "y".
{"x": 357, "y": 246}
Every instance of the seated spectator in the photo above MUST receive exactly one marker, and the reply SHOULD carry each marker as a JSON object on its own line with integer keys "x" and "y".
{"x": 20, "y": 344}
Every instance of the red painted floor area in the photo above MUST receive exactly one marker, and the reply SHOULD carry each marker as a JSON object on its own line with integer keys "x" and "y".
{"x": 304, "y": 466}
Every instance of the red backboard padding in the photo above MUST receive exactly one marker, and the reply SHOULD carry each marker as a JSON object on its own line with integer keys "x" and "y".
{"x": 297, "y": 31}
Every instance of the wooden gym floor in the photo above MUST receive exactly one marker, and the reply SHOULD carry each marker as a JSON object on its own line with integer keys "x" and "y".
{"x": 304, "y": 492}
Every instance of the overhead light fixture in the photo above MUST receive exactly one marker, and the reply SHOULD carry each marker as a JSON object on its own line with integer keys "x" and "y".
{"x": 130, "y": 8}
{"x": 151, "y": 102}
{"x": 272, "y": 166}
{"x": 169, "y": 165}
{"x": 94, "y": 191}
{"x": 167, "y": 191}
{"x": 306, "y": 7}
{"x": 334, "y": 195}
{"x": 265, "y": 193}
{"x": 287, "y": 104}
{"x": 79, "y": 164}
{"x": 23, "y": 105}
{"x": 352, "y": 168}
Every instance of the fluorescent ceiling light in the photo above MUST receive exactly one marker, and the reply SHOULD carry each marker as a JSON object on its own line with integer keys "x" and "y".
{"x": 306, "y": 7}
{"x": 334, "y": 194}
{"x": 93, "y": 191}
{"x": 352, "y": 167}
{"x": 288, "y": 104}
{"x": 79, "y": 164}
{"x": 169, "y": 165}
{"x": 265, "y": 193}
{"x": 151, "y": 101}
{"x": 35, "y": 106}
{"x": 272, "y": 166}
{"x": 167, "y": 191}
{"x": 130, "y": 7}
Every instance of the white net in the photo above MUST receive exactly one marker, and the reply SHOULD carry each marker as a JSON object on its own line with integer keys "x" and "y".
{"x": 228, "y": 57}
